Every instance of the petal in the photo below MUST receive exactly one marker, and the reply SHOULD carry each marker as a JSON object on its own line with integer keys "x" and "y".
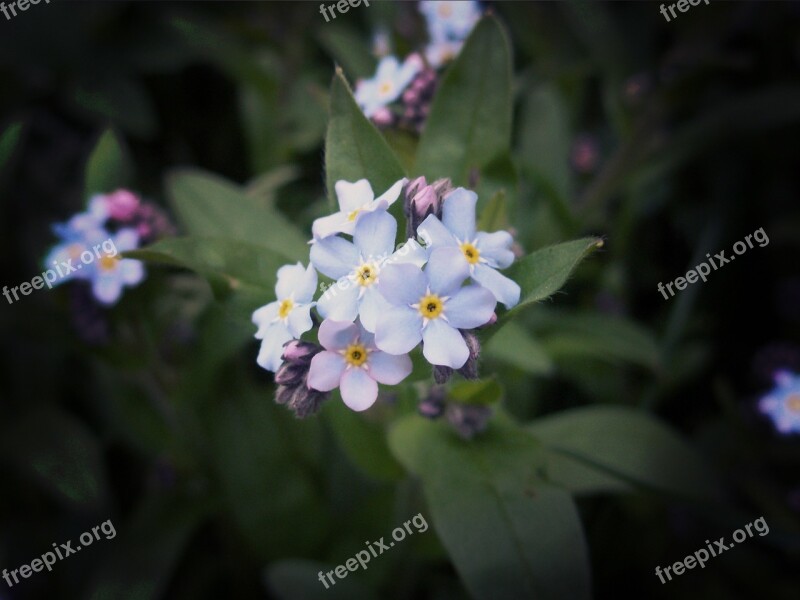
{"x": 264, "y": 317}
{"x": 458, "y": 213}
{"x": 388, "y": 369}
{"x": 495, "y": 247}
{"x": 372, "y": 305}
{"x": 334, "y": 257}
{"x": 411, "y": 66}
{"x": 393, "y": 193}
{"x": 296, "y": 281}
{"x": 387, "y": 67}
{"x": 374, "y": 234}
{"x": 504, "y": 289}
{"x": 411, "y": 252}
{"x": 433, "y": 232}
{"x": 330, "y": 225}
{"x": 470, "y": 307}
{"x": 359, "y": 390}
{"x": 107, "y": 289}
{"x": 270, "y": 355}
{"x": 337, "y": 335}
{"x": 443, "y": 345}
{"x": 131, "y": 271}
{"x": 126, "y": 239}
{"x": 326, "y": 371}
{"x": 340, "y": 301}
{"x": 300, "y": 320}
{"x": 446, "y": 270}
{"x": 353, "y": 196}
{"x": 398, "y": 330}
{"x": 402, "y": 284}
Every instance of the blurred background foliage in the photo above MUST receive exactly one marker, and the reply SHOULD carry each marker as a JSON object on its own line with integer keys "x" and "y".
{"x": 668, "y": 140}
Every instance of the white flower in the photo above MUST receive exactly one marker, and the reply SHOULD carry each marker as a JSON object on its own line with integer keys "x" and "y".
{"x": 450, "y": 20}
{"x": 355, "y": 199}
{"x": 288, "y": 317}
{"x": 389, "y": 82}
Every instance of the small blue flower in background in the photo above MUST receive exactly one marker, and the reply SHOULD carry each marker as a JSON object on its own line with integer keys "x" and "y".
{"x": 481, "y": 253}
{"x": 355, "y": 199}
{"x": 353, "y": 363}
{"x": 389, "y": 82}
{"x": 782, "y": 404}
{"x": 440, "y": 52}
{"x": 431, "y": 307}
{"x": 84, "y": 223}
{"x": 450, "y": 20}
{"x": 109, "y": 273}
{"x": 288, "y": 317}
{"x": 357, "y": 266}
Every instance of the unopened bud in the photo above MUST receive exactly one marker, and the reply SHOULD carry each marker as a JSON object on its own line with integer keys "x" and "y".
{"x": 468, "y": 419}
{"x": 432, "y": 406}
{"x": 421, "y": 200}
{"x": 470, "y": 368}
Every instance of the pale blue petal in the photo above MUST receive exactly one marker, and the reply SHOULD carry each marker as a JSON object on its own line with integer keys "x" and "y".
{"x": 411, "y": 252}
{"x": 387, "y": 67}
{"x": 359, "y": 390}
{"x": 131, "y": 271}
{"x": 374, "y": 234}
{"x": 365, "y": 337}
{"x": 472, "y": 306}
{"x": 458, "y": 213}
{"x": 504, "y": 289}
{"x": 353, "y": 196}
{"x": 390, "y": 195}
{"x": 398, "y": 330}
{"x": 334, "y": 257}
{"x": 372, "y": 305}
{"x": 388, "y": 369}
{"x": 340, "y": 303}
{"x": 107, "y": 289}
{"x": 126, "y": 239}
{"x": 446, "y": 270}
{"x": 269, "y": 356}
{"x": 433, "y": 232}
{"x": 297, "y": 280}
{"x": 411, "y": 66}
{"x": 402, "y": 284}
{"x": 326, "y": 371}
{"x": 330, "y": 225}
{"x": 300, "y": 320}
{"x": 264, "y": 317}
{"x": 307, "y": 286}
{"x": 443, "y": 345}
{"x": 495, "y": 247}
{"x": 337, "y": 335}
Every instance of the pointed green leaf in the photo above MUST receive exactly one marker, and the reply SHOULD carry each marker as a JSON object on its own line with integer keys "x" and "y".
{"x": 210, "y": 206}
{"x": 108, "y": 167}
{"x": 354, "y": 149}
{"x": 469, "y": 126}
{"x": 484, "y": 392}
{"x": 509, "y": 535}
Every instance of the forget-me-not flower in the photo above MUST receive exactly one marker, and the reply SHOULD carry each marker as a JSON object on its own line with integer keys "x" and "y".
{"x": 782, "y": 404}
{"x": 288, "y": 317}
{"x": 355, "y": 199}
{"x": 481, "y": 253}
{"x": 431, "y": 306}
{"x": 109, "y": 273}
{"x": 390, "y": 80}
{"x": 357, "y": 266}
{"x": 353, "y": 363}
{"x": 450, "y": 20}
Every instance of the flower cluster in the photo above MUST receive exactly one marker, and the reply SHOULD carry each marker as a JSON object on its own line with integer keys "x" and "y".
{"x": 433, "y": 288}
{"x": 782, "y": 404}
{"x": 414, "y": 81}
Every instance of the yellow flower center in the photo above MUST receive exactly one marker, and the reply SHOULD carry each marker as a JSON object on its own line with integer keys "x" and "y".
{"x": 366, "y": 275}
{"x": 108, "y": 263}
{"x": 385, "y": 88}
{"x": 355, "y": 355}
{"x": 352, "y": 216}
{"x": 285, "y": 308}
{"x": 471, "y": 253}
{"x": 793, "y": 402}
{"x": 431, "y": 306}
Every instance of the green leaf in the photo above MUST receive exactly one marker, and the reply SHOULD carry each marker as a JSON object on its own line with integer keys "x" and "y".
{"x": 508, "y": 534}
{"x": 469, "y": 126}
{"x": 59, "y": 453}
{"x": 514, "y": 346}
{"x": 484, "y": 392}
{"x": 8, "y": 142}
{"x": 354, "y": 149}
{"x": 108, "y": 167}
{"x": 348, "y": 47}
{"x": 299, "y": 580}
{"x": 544, "y": 272}
{"x": 210, "y": 206}
{"x": 627, "y": 445}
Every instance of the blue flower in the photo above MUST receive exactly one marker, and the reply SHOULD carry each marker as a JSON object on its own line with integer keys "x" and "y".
{"x": 84, "y": 223}
{"x": 288, "y": 317}
{"x": 389, "y": 82}
{"x": 481, "y": 253}
{"x": 110, "y": 273}
{"x": 357, "y": 267}
{"x": 450, "y": 20}
{"x": 355, "y": 199}
{"x": 440, "y": 52}
{"x": 431, "y": 307}
{"x": 353, "y": 363}
{"x": 782, "y": 404}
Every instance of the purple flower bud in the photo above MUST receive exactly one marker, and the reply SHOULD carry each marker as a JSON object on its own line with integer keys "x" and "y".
{"x": 470, "y": 368}
{"x": 383, "y": 117}
{"x": 122, "y": 205}
{"x": 442, "y": 374}
{"x": 292, "y": 379}
{"x": 492, "y": 320}
{"x": 432, "y": 406}
{"x": 468, "y": 419}
{"x": 421, "y": 200}
{"x": 295, "y": 350}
